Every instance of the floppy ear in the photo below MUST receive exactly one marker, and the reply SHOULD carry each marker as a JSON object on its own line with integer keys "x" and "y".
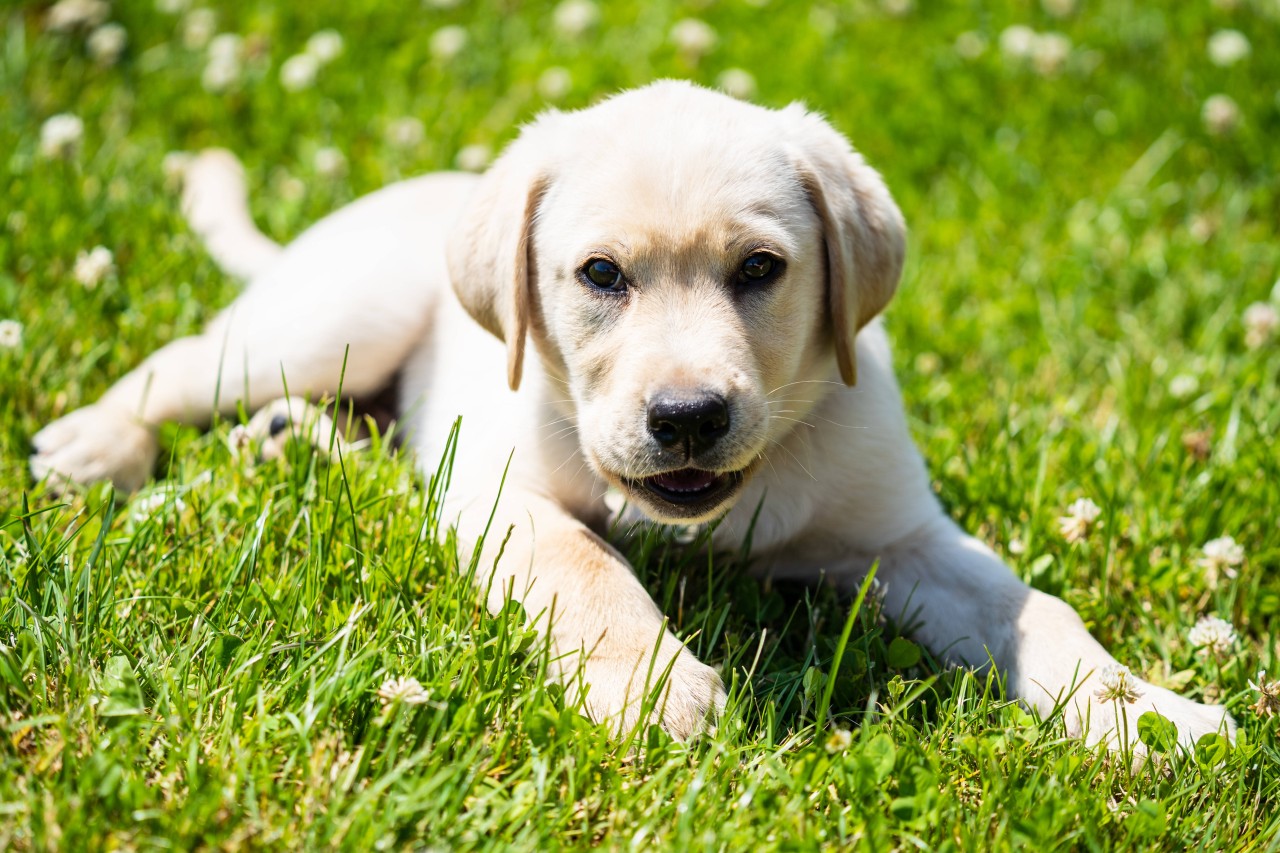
{"x": 862, "y": 230}
{"x": 490, "y": 250}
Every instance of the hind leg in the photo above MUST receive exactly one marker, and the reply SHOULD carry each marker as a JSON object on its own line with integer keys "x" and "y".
{"x": 272, "y": 342}
{"x": 340, "y": 309}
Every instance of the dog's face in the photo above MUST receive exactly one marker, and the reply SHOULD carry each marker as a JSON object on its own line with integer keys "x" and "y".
{"x": 692, "y": 267}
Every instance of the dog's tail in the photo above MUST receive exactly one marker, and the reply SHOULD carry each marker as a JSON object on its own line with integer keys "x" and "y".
{"x": 216, "y": 204}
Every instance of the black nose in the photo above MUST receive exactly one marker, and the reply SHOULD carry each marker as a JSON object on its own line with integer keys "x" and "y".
{"x": 697, "y": 418}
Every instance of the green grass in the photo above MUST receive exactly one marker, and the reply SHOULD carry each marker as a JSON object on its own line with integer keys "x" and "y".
{"x": 206, "y": 672}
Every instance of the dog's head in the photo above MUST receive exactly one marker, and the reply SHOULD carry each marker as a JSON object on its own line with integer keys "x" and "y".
{"x": 692, "y": 267}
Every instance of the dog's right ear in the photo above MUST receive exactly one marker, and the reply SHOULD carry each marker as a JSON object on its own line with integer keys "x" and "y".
{"x": 490, "y": 251}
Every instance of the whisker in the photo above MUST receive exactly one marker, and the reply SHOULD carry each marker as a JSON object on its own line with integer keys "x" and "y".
{"x": 793, "y": 456}
{"x": 803, "y": 382}
{"x": 795, "y": 421}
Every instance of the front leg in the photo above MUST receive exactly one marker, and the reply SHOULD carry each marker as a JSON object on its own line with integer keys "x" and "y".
{"x": 969, "y": 608}
{"x": 610, "y": 643}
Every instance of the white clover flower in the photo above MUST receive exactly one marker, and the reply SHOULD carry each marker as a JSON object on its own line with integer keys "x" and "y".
{"x": 1049, "y": 52}
{"x": 198, "y": 26}
{"x": 299, "y": 72}
{"x": 406, "y": 132}
{"x": 1016, "y": 546}
{"x": 1183, "y": 386}
{"x": 240, "y": 443}
{"x": 10, "y": 334}
{"x": 1017, "y": 41}
{"x": 442, "y": 4}
{"x": 1220, "y": 114}
{"x": 226, "y": 46}
{"x": 693, "y": 38}
{"x": 1213, "y": 636}
{"x": 223, "y": 70}
{"x": 839, "y": 741}
{"x": 106, "y": 43}
{"x": 1058, "y": 8}
{"x": 172, "y": 7}
{"x": 93, "y": 266}
{"x": 1268, "y": 704}
{"x": 406, "y": 690}
{"x": 1227, "y": 47}
{"x": 897, "y": 8}
{"x": 1081, "y": 514}
{"x": 68, "y": 15}
{"x": 1116, "y": 684}
{"x": 61, "y": 135}
{"x": 1260, "y": 322}
{"x": 330, "y": 162}
{"x": 1222, "y": 556}
{"x": 474, "y": 158}
{"x": 970, "y": 44}
{"x": 555, "y": 83}
{"x": 326, "y": 46}
{"x": 737, "y": 83}
{"x": 448, "y": 42}
{"x": 572, "y": 18}
{"x": 146, "y": 506}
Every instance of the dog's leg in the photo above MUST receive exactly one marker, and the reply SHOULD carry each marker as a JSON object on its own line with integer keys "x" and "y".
{"x": 256, "y": 352}
{"x": 340, "y": 309}
{"x": 215, "y": 202}
{"x": 608, "y": 639}
{"x": 964, "y": 604}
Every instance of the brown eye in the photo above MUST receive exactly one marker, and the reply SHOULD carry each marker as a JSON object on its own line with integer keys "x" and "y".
{"x": 759, "y": 268}
{"x": 604, "y": 275}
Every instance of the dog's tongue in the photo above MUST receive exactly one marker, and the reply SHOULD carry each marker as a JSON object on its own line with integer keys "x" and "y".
{"x": 686, "y": 480}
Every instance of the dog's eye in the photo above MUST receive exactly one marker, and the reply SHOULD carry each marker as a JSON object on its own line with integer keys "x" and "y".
{"x": 758, "y": 268}
{"x": 604, "y": 275}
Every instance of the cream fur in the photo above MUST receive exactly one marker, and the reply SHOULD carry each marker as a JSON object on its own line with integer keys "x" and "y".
{"x": 676, "y": 184}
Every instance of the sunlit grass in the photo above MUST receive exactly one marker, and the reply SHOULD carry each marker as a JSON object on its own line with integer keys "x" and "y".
{"x": 200, "y": 663}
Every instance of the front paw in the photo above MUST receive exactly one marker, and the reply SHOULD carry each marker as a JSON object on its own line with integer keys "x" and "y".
{"x": 92, "y": 444}
{"x": 619, "y": 688}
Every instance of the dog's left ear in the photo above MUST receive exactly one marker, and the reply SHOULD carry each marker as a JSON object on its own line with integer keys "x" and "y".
{"x": 862, "y": 229}
{"x": 490, "y": 252}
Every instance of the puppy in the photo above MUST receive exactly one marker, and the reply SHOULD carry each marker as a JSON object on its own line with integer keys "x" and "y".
{"x": 672, "y": 293}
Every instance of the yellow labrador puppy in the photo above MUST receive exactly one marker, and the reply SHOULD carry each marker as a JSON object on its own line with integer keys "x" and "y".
{"x": 651, "y": 294}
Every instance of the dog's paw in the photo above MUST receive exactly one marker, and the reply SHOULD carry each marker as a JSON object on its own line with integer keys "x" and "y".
{"x": 92, "y": 444}
{"x": 683, "y": 696}
{"x": 1116, "y": 721}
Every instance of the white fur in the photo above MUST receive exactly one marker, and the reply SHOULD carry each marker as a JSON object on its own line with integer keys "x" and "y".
{"x": 681, "y": 183}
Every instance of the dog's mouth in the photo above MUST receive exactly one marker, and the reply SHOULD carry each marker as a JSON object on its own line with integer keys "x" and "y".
{"x": 687, "y": 492}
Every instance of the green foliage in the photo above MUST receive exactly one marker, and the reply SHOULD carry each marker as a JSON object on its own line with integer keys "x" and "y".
{"x": 200, "y": 664}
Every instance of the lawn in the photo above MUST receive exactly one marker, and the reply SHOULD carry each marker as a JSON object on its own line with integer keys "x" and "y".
{"x": 1088, "y": 312}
